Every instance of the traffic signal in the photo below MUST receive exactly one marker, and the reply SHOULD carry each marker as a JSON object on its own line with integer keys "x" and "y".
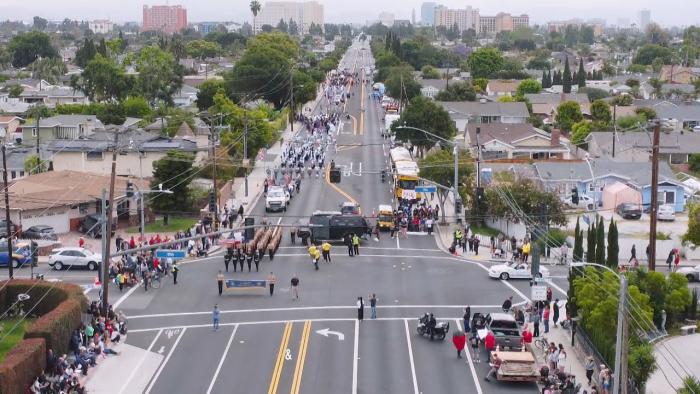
{"x": 480, "y": 195}
{"x": 458, "y": 205}
{"x": 129, "y": 189}
{"x": 212, "y": 201}
{"x": 574, "y": 196}
{"x": 383, "y": 176}
{"x": 34, "y": 248}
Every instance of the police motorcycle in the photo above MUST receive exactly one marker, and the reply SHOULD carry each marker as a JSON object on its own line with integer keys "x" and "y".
{"x": 428, "y": 326}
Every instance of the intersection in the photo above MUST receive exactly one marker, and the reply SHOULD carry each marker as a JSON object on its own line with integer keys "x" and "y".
{"x": 316, "y": 344}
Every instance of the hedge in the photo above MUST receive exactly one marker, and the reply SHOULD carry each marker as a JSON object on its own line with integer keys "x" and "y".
{"x": 59, "y": 306}
{"x": 22, "y": 365}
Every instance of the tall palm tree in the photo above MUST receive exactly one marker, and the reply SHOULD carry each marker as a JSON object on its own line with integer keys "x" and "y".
{"x": 255, "y": 8}
{"x": 657, "y": 85}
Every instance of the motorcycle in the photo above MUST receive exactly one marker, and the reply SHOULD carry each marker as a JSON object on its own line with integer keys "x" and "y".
{"x": 440, "y": 330}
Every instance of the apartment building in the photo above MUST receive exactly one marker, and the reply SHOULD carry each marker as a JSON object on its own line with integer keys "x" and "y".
{"x": 168, "y": 19}
{"x": 303, "y": 13}
{"x": 503, "y": 21}
{"x": 100, "y": 26}
{"x": 465, "y": 18}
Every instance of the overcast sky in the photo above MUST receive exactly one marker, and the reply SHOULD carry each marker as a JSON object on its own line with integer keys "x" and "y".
{"x": 667, "y": 12}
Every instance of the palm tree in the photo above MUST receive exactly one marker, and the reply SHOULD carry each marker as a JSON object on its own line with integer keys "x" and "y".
{"x": 690, "y": 385}
{"x": 254, "y": 8}
{"x": 657, "y": 85}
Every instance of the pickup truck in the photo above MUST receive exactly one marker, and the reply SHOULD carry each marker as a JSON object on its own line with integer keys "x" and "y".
{"x": 504, "y": 327}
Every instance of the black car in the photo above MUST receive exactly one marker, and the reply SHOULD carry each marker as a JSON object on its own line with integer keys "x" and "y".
{"x": 3, "y": 228}
{"x": 629, "y": 211}
{"x": 41, "y": 231}
{"x": 91, "y": 226}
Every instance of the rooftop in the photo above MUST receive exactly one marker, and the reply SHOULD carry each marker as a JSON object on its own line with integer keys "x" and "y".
{"x": 468, "y": 109}
{"x": 636, "y": 174}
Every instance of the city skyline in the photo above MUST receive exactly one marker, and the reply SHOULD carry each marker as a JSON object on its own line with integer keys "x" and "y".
{"x": 360, "y": 11}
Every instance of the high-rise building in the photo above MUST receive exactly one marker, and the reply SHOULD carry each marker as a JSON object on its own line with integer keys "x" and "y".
{"x": 644, "y": 19}
{"x": 427, "y": 14}
{"x": 303, "y": 13}
{"x": 386, "y": 18}
{"x": 464, "y": 18}
{"x": 413, "y": 16}
{"x": 100, "y": 26}
{"x": 166, "y": 18}
{"x": 502, "y": 22}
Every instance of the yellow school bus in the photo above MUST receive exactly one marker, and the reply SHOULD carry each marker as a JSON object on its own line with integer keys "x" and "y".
{"x": 405, "y": 171}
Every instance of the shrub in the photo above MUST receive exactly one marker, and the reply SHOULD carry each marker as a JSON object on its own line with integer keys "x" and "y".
{"x": 22, "y": 365}
{"x": 57, "y": 326}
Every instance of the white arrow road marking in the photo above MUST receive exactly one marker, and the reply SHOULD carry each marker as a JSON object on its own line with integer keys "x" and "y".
{"x": 326, "y": 331}
{"x": 161, "y": 350}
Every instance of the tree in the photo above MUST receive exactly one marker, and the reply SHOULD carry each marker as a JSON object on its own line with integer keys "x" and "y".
{"x": 202, "y": 49}
{"x": 255, "y": 8}
{"x": 600, "y": 242}
{"x": 590, "y": 243}
{"x": 207, "y": 90}
{"x": 480, "y": 84}
{"x": 401, "y": 84}
{"x": 579, "y": 132}
{"x": 160, "y": 76}
{"x": 539, "y": 63}
{"x": 103, "y": 80}
{"x": 693, "y": 233}
{"x": 85, "y": 53}
{"x": 429, "y": 72}
{"x": 15, "y": 91}
{"x": 647, "y": 53}
{"x": 30, "y": 46}
{"x": 581, "y": 74}
{"x": 293, "y": 28}
{"x": 613, "y": 247}
{"x": 40, "y": 23}
{"x": 594, "y": 93}
{"x": 136, "y": 107}
{"x": 34, "y": 165}
{"x": 578, "y": 243}
{"x": 485, "y": 62}
{"x": 237, "y": 118}
{"x": 437, "y": 167}
{"x": 526, "y": 195}
{"x": 457, "y": 91}
{"x": 49, "y": 69}
{"x": 315, "y": 30}
{"x": 528, "y": 86}
{"x": 600, "y": 112}
{"x": 174, "y": 173}
{"x": 568, "y": 113}
{"x": 691, "y": 385}
{"x": 566, "y": 78}
{"x": 423, "y": 113}
{"x": 282, "y": 26}
{"x": 623, "y": 100}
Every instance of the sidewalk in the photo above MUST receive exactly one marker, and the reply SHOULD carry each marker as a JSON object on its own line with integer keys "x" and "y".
{"x": 674, "y": 361}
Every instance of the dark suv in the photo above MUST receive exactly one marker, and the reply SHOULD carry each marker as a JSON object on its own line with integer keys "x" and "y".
{"x": 90, "y": 226}
{"x": 629, "y": 211}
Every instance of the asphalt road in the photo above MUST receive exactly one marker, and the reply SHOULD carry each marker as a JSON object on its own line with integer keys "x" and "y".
{"x": 316, "y": 344}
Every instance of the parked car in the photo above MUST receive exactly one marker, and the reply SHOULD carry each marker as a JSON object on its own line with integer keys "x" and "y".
{"x": 21, "y": 257}
{"x": 72, "y": 256}
{"x": 629, "y": 211}
{"x": 90, "y": 226}
{"x": 584, "y": 202}
{"x": 666, "y": 212}
{"x": 696, "y": 129}
{"x": 40, "y": 232}
{"x": 692, "y": 273}
{"x": 3, "y": 228}
{"x": 515, "y": 270}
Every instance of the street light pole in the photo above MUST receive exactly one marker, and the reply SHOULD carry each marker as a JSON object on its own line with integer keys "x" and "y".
{"x": 11, "y": 274}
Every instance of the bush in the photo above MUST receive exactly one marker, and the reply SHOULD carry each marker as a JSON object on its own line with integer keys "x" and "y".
{"x": 22, "y": 365}
{"x": 57, "y": 326}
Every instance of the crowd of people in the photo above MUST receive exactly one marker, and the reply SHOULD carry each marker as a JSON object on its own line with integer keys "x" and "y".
{"x": 88, "y": 344}
{"x": 414, "y": 216}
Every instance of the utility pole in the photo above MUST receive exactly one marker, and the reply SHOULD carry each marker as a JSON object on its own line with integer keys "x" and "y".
{"x": 654, "y": 195}
{"x": 107, "y": 235}
{"x": 614, "y": 129}
{"x": 143, "y": 217}
{"x": 620, "y": 385}
{"x": 103, "y": 228}
{"x": 291, "y": 96}
{"x": 245, "y": 148}
{"x": 11, "y": 274}
{"x": 478, "y": 158}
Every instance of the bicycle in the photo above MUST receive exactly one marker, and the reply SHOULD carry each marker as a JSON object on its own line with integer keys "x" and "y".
{"x": 542, "y": 344}
{"x": 156, "y": 280}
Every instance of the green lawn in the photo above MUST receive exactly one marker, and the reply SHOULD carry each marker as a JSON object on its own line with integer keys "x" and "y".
{"x": 12, "y": 339}
{"x": 175, "y": 223}
{"x": 483, "y": 230}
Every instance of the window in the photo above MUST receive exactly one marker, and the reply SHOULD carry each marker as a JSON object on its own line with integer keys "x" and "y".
{"x": 591, "y": 189}
{"x": 93, "y": 155}
{"x": 13, "y": 174}
{"x": 34, "y": 132}
{"x": 669, "y": 197}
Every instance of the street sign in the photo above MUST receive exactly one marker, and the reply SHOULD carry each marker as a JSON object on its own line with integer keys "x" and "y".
{"x": 538, "y": 293}
{"x": 426, "y": 189}
{"x": 173, "y": 254}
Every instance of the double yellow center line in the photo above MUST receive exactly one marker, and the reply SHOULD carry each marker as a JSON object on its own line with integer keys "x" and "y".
{"x": 284, "y": 354}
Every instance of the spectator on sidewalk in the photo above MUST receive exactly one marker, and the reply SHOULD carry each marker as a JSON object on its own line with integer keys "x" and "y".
{"x": 590, "y": 366}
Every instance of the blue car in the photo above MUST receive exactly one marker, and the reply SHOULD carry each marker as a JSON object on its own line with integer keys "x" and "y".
{"x": 22, "y": 256}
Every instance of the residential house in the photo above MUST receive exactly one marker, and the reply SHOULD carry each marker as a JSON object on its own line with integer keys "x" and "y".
{"x": 54, "y": 96}
{"x": 674, "y": 148}
{"x": 593, "y": 180}
{"x": 200, "y": 131}
{"x": 186, "y": 96}
{"x": 544, "y": 105}
{"x": 463, "y": 112}
{"x": 61, "y": 199}
{"x": 8, "y": 125}
{"x": 12, "y": 105}
{"x": 500, "y": 87}
{"x": 678, "y": 114}
{"x": 138, "y": 149}
{"x": 672, "y": 91}
{"x": 15, "y": 157}
{"x": 679, "y": 74}
{"x": 58, "y": 127}
{"x": 431, "y": 87}
{"x": 514, "y": 141}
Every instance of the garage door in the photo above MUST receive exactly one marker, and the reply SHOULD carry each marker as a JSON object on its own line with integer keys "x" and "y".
{"x": 59, "y": 222}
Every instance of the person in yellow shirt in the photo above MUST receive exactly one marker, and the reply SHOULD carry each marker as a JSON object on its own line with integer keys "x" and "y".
{"x": 315, "y": 255}
{"x": 326, "y": 248}
{"x": 526, "y": 251}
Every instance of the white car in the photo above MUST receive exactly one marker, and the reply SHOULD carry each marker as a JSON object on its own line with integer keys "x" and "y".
{"x": 666, "y": 212}
{"x": 515, "y": 270}
{"x": 74, "y": 257}
{"x": 692, "y": 273}
{"x": 584, "y": 202}
{"x": 277, "y": 199}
